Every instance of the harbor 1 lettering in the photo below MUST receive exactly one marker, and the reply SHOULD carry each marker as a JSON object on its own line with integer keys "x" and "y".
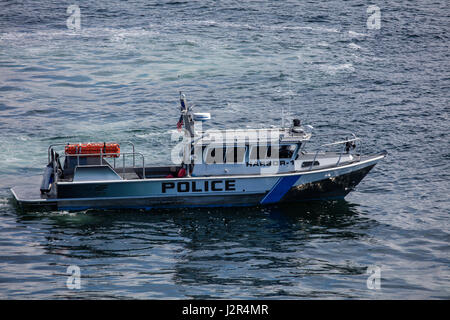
{"x": 199, "y": 186}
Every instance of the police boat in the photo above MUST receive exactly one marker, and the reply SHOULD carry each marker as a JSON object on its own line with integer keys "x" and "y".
{"x": 214, "y": 168}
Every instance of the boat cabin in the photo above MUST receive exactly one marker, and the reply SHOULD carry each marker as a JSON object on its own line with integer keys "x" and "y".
{"x": 246, "y": 151}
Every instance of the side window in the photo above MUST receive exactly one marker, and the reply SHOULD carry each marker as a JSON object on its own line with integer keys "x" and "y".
{"x": 287, "y": 151}
{"x": 306, "y": 164}
{"x": 265, "y": 152}
{"x": 214, "y": 155}
{"x": 254, "y": 153}
{"x": 260, "y": 152}
{"x": 234, "y": 154}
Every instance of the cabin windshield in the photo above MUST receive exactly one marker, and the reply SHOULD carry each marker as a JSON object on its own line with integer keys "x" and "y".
{"x": 214, "y": 155}
{"x": 228, "y": 154}
{"x": 235, "y": 154}
{"x": 238, "y": 154}
{"x": 285, "y": 151}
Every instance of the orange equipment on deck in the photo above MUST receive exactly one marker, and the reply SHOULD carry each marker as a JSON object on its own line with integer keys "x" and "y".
{"x": 111, "y": 149}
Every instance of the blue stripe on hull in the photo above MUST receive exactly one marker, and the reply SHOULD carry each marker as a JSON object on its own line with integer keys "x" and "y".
{"x": 278, "y": 191}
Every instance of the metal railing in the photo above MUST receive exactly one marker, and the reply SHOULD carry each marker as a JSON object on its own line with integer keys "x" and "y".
{"x": 344, "y": 145}
{"x": 102, "y": 155}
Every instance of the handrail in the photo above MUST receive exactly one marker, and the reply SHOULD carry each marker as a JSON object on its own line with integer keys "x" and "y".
{"x": 340, "y": 142}
{"x": 314, "y": 160}
{"x": 355, "y": 138}
{"x": 102, "y": 155}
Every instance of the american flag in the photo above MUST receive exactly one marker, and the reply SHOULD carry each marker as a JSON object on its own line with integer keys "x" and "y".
{"x": 180, "y": 123}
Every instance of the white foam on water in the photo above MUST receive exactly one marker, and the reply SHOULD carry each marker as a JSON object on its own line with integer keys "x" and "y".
{"x": 248, "y": 26}
{"x": 354, "y": 46}
{"x": 115, "y": 34}
{"x": 118, "y": 35}
{"x": 333, "y": 69}
{"x": 155, "y": 134}
{"x": 354, "y": 34}
{"x": 323, "y": 44}
{"x": 309, "y": 28}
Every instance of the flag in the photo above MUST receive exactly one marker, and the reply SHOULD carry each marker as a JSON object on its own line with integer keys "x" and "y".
{"x": 183, "y": 102}
{"x": 180, "y": 123}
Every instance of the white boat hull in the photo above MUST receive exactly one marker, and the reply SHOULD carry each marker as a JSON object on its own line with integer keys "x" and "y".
{"x": 217, "y": 191}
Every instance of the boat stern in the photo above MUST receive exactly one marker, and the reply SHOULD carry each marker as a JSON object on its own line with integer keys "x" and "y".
{"x": 28, "y": 197}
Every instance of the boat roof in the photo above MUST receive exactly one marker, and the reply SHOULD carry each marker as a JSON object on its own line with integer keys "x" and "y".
{"x": 282, "y": 135}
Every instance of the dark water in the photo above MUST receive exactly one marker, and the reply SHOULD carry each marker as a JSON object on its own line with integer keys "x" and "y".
{"x": 118, "y": 77}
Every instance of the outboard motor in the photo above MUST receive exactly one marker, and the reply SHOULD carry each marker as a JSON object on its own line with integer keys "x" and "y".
{"x": 48, "y": 176}
{"x": 47, "y": 179}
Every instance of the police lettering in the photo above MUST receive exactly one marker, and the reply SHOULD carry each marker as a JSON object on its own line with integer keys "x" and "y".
{"x": 199, "y": 186}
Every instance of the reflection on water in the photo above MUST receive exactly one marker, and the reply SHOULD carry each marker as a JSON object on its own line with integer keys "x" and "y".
{"x": 266, "y": 252}
{"x": 273, "y": 251}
